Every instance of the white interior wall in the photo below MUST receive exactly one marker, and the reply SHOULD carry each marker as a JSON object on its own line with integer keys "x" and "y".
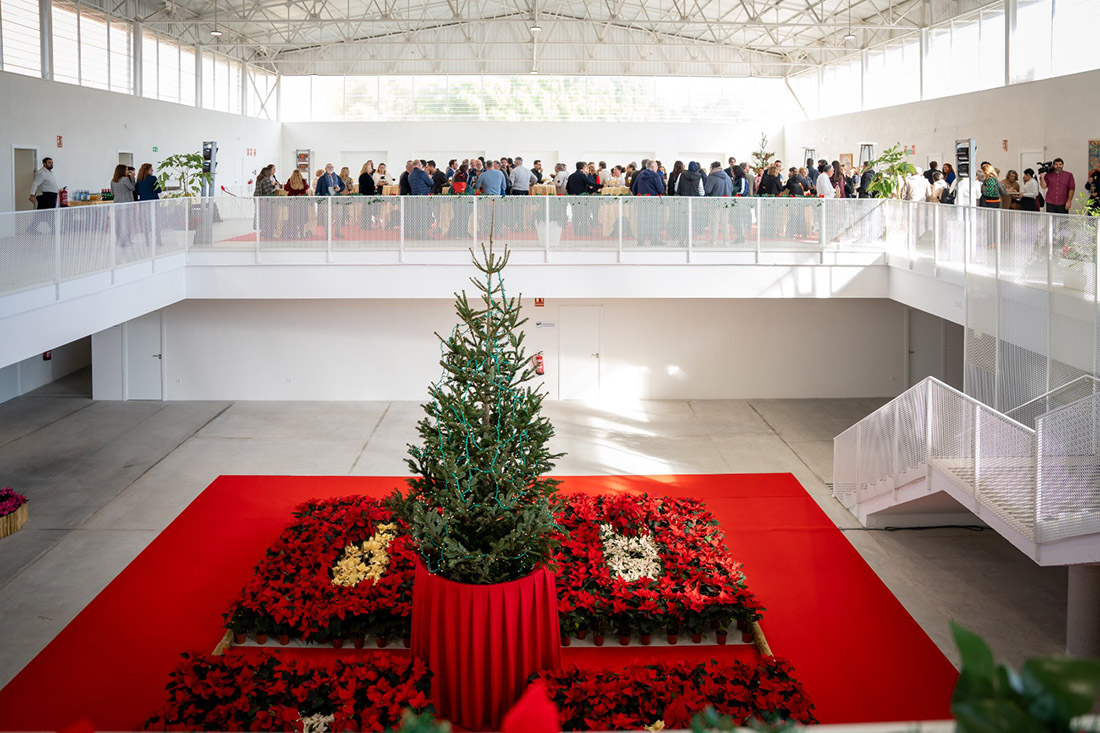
{"x": 96, "y": 125}
{"x": 651, "y": 349}
{"x": 32, "y": 373}
{"x": 614, "y": 142}
{"x": 1059, "y": 114}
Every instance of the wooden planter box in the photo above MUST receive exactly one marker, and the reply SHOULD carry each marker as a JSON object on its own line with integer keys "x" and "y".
{"x": 10, "y": 523}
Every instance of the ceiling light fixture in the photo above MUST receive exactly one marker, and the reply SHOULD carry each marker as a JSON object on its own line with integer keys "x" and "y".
{"x": 849, "y": 36}
{"x": 536, "y": 28}
{"x": 215, "y": 32}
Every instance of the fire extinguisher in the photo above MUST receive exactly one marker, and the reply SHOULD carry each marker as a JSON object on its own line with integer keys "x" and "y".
{"x": 63, "y": 197}
{"x": 537, "y": 361}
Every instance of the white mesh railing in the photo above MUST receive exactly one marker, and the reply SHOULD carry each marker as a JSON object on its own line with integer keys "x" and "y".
{"x": 1069, "y": 471}
{"x": 990, "y": 456}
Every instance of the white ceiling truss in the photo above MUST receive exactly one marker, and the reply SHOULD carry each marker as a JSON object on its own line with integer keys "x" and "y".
{"x": 602, "y": 37}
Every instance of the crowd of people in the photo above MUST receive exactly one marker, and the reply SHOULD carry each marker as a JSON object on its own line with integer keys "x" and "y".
{"x": 1053, "y": 190}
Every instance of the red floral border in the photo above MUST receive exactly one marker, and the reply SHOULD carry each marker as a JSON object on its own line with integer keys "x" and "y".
{"x": 639, "y": 696}
{"x": 268, "y": 693}
{"x": 701, "y": 587}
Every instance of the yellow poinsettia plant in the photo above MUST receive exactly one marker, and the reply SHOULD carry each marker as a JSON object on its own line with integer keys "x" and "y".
{"x": 366, "y": 560}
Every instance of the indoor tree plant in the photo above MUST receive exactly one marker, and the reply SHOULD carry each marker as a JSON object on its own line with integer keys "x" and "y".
{"x": 185, "y": 170}
{"x": 890, "y": 169}
{"x": 479, "y": 512}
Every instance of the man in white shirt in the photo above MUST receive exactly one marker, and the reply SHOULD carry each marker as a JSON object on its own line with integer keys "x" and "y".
{"x": 44, "y": 189}
{"x": 824, "y": 184}
{"x": 43, "y": 194}
{"x": 560, "y": 178}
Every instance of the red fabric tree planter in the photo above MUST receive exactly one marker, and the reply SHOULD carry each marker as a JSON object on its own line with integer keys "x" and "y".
{"x": 483, "y": 642}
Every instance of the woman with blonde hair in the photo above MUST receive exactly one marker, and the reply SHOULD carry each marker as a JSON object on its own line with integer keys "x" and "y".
{"x": 992, "y": 190}
{"x": 366, "y": 179}
{"x": 1011, "y": 186}
{"x": 296, "y": 185}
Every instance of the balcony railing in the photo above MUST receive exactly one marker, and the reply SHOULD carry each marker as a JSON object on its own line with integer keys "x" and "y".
{"x": 42, "y": 248}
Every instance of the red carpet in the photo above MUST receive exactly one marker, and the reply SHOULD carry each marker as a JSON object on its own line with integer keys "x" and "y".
{"x": 859, "y": 654}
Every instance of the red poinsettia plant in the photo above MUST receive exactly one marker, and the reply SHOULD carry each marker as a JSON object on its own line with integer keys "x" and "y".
{"x": 237, "y": 692}
{"x": 639, "y": 696}
{"x": 696, "y": 585}
{"x": 10, "y": 501}
{"x": 692, "y": 582}
{"x": 292, "y": 590}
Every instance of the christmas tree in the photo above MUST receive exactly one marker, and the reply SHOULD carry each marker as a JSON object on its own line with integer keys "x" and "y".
{"x": 479, "y": 504}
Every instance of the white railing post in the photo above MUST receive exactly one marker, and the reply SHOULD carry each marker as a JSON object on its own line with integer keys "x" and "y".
{"x": 473, "y": 197}
{"x": 910, "y": 233}
{"x": 977, "y": 456}
{"x": 187, "y": 225}
{"x": 112, "y": 234}
{"x": 859, "y": 461}
{"x": 895, "y": 459}
{"x": 759, "y": 225}
{"x": 546, "y": 255}
{"x": 258, "y": 208}
{"x": 935, "y": 241}
{"x": 620, "y": 206}
{"x": 821, "y": 237}
{"x": 738, "y": 213}
{"x": 328, "y": 227}
{"x": 57, "y": 252}
{"x": 929, "y": 386}
{"x": 689, "y": 227}
{"x": 153, "y": 227}
{"x": 401, "y": 229}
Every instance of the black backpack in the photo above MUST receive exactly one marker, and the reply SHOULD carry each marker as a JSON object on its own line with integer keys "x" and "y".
{"x": 947, "y": 197}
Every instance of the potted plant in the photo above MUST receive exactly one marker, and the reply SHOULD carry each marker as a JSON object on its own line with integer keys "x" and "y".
{"x": 1046, "y": 694}
{"x": 13, "y": 511}
{"x": 478, "y": 510}
{"x": 891, "y": 169}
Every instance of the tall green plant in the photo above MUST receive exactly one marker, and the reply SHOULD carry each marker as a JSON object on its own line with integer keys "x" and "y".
{"x": 186, "y": 170}
{"x": 479, "y": 504}
{"x": 1043, "y": 697}
{"x": 890, "y": 168}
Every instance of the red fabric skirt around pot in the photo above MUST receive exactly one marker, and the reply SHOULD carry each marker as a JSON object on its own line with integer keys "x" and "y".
{"x": 482, "y": 642}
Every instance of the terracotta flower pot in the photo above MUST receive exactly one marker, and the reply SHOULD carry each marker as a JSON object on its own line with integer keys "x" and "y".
{"x": 721, "y": 636}
{"x": 261, "y": 638}
{"x": 597, "y": 639}
{"x": 357, "y": 642}
{"x": 673, "y": 638}
{"x": 624, "y": 639}
{"x": 696, "y": 638}
{"x": 565, "y": 640}
{"x": 582, "y": 634}
{"x": 284, "y": 639}
{"x": 382, "y": 642}
{"x": 239, "y": 638}
{"x": 337, "y": 643}
{"x": 406, "y": 641}
{"x": 747, "y": 636}
{"x": 646, "y": 639}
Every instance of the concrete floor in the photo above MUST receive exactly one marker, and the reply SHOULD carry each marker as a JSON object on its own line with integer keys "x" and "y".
{"x": 104, "y": 478}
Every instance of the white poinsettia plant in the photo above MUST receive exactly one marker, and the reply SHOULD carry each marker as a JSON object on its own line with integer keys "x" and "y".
{"x": 317, "y": 723}
{"x": 630, "y": 558}
{"x": 366, "y": 560}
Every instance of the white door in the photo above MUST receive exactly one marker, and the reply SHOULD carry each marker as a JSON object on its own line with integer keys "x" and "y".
{"x": 125, "y": 158}
{"x": 24, "y": 166}
{"x": 144, "y": 358}
{"x": 579, "y": 342}
{"x": 1029, "y": 159}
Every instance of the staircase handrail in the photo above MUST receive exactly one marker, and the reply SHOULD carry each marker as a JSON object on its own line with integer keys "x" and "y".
{"x": 1048, "y": 393}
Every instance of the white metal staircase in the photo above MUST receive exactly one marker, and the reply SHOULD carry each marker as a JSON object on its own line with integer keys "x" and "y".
{"x": 1039, "y": 488}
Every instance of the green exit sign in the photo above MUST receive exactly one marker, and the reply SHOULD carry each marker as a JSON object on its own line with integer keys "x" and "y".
{"x": 154, "y": 148}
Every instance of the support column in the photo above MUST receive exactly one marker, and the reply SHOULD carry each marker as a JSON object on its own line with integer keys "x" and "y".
{"x": 138, "y": 48}
{"x": 1083, "y": 612}
{"x": 45, "y": 37}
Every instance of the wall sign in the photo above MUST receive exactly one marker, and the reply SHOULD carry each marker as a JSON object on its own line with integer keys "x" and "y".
{"x": 540, "y": 302}
{"x": 59, "y": 141}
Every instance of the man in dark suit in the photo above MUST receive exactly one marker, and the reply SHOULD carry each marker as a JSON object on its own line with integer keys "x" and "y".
{"x": 580, "y": 182}
{"x": 865, "y": 179}
{"x": 584, "y": 213}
